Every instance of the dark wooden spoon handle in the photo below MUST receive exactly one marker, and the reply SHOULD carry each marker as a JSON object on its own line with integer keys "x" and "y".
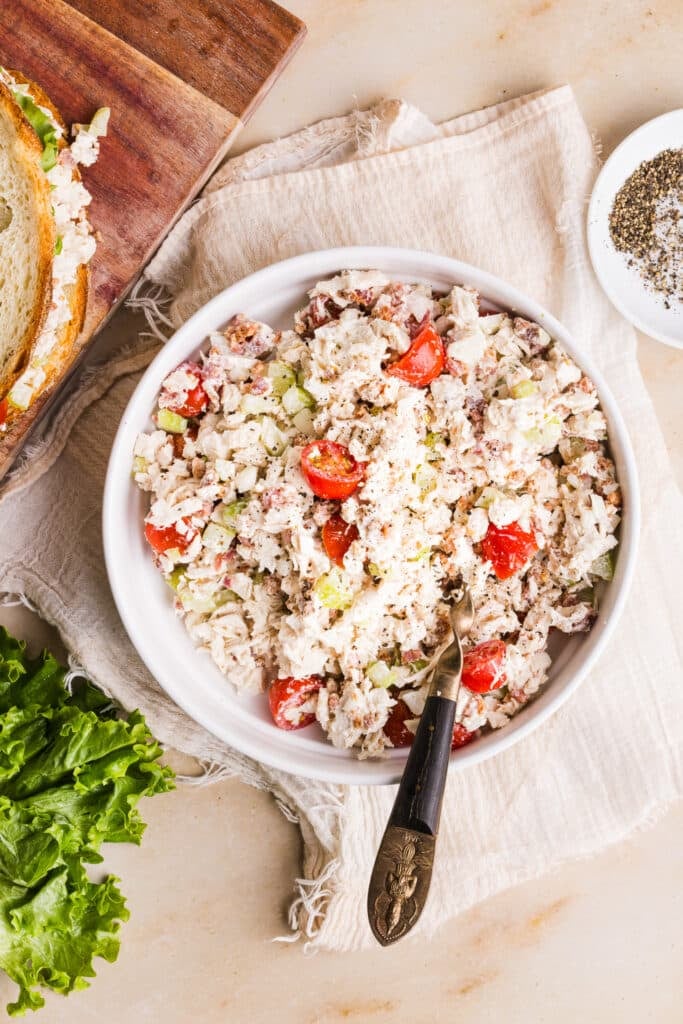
{"x": 420, "y": 792}
{"x": 402, "y": 873}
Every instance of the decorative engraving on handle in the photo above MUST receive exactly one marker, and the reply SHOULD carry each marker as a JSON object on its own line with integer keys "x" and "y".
{"x": 400, "y": 881}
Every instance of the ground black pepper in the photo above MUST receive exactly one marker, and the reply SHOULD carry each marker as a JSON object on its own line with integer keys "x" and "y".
{"x": 645, "y": 223}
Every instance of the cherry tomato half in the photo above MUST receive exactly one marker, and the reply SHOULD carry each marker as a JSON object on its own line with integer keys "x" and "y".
{"x": 423, "y": 361}
{"x": 338, "y": 536}
{"x": 508, "y": 548}
{"x": 4, "y": 409}
{"x": 191, "y": 402}
{"x": 461, "y": 736}
{"x": 395, "y": 728}
{"x": 482, "y": 667}
{"x": 166, "y": 538}
{"x": 286, "y": 696}
{"x": 330, "y": 469}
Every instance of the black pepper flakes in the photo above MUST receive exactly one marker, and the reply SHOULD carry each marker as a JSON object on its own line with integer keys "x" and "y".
{"x": 645, "y": 223}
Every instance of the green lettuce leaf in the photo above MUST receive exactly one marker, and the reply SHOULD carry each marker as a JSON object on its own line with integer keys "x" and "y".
{"x": 42, "y": 126}
{"x": 71, "y": 775}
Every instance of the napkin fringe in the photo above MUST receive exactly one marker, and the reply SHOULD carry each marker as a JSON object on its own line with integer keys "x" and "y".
{"x": 152, "y": 300}
{"x": 307, "y": 912}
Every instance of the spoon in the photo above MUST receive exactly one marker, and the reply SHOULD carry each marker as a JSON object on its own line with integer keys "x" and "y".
{"x": 403, "y": 867}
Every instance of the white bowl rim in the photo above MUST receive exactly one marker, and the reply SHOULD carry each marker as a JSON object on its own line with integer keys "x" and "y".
{"x": 404, "y": 262}
{"x": 597, "y": 197}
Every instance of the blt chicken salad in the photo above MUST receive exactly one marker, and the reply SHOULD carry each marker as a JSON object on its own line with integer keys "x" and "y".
{"x": 318, "y": 493}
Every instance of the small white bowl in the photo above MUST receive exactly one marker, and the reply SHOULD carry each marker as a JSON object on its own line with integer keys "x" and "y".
{"x": 623, "y": 285}
{"x": 144, "y": 600}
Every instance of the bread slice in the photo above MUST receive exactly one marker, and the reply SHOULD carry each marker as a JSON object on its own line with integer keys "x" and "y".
{"x": 60, "y": 356}
{"x": 27, "y": 240}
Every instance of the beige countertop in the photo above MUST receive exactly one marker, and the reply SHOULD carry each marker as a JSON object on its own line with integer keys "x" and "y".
{"x": 598, "y": 941}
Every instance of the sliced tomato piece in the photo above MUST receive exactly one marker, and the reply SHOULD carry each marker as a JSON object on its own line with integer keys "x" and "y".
{"x": 508, "y": 548}
{"x": 4, "y": 409}
{"x": 423, "y": 361}
{"x": 167, "y": 538}
{"x": 330, "y": 469}
{"x": 461, "y": 736}
{"x": 395, "y": 728}
{"x": 482, "y": 667}
{"x": 285, "y": 698}
{"x": 191, "y": 402}
{"x": 338, "y": 536}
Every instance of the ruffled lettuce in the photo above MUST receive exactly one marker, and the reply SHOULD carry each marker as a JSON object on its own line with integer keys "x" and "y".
{"x": 71, "y": 775}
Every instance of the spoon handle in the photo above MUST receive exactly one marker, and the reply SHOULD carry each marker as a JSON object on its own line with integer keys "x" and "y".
{"x": 420, "y": 792}
{"x": 403, "y": 867}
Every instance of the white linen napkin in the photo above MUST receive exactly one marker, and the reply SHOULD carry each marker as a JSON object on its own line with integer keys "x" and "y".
{"x": 505, "y": 189}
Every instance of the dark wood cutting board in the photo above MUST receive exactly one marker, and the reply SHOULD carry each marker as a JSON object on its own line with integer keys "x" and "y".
{"x": 181, "y": 77}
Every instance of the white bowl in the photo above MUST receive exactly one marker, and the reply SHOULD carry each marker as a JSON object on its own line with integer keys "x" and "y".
{"x": 144, "y": 600}
{"x": 623, "y": 285}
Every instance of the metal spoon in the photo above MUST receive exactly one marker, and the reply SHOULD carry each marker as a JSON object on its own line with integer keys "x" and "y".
{"x": 403, "y": 867}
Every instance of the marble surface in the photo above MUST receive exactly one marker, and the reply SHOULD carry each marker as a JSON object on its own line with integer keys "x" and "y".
{"x": 598, "y": 941}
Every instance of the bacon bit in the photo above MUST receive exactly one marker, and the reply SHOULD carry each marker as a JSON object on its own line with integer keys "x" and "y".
{"x": 529, "y": 333}
{"x": 414, "y": 654}
{"x": 178, "y": 442}
{"x": 245, "y": 337}
{"x": 414, "y": 326}
{"x": 361, "y": 296}
{"x": 261, "y": 386}
{"x": 586, "y": 385}
{"x": 274, "y": 498}
{"x": 614, "y": 498}
{"x": 476, "y": 410}
{"x": 455, "y": 367}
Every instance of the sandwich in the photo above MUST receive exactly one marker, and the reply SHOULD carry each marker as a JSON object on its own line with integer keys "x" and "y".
{"x": 46, "y": 241}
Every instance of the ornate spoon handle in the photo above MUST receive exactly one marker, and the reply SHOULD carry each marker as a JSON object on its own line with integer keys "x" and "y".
{"x": 403, "y": 867}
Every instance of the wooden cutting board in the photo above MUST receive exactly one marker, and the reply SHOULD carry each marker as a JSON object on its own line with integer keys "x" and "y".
{"x": 181, "y": 77}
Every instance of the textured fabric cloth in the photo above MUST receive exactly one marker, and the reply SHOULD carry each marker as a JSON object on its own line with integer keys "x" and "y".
{"x": 505, "y": 189}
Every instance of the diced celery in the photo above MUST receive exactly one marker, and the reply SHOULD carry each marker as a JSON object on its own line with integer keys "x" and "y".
{"x": 191, "y": 602}
{"x": 100, "y": 121}
{"x": 139, "y": 465}
{"x": 295, "y": 399}
{"x": 603, "y": 567}
{"x": 217, "y": 538}
{"x": 171, "y": 421}
{"x": 546, "y": 436}
{"x": 572, "y": 448}
{"x": 417, "y": 666}
{"x": 377, "y": 572}
{"x": 524, "y": 389}
{"x": 282, "y": 376}
{"x": 246, "y": 478}
{"x": 425, "y": 478}
{"x": 274, "y": 441}
{"x": 379, "y": 674}
{"x": 421, "y": 555}
{"x": 332, "y": 590}
{"x": 488, "y": 496}
{"x": 257, "y": 405}
{"x": 304, "y": 422}
{"x": 175, "y": 578}
{"x": 229, "y": 513}
{"x": 432, "y": 439}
